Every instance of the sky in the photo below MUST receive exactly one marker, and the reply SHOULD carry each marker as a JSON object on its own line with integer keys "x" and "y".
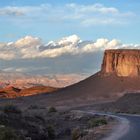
{"x": 53, "y": 19}
{"x": 65, "y": 36}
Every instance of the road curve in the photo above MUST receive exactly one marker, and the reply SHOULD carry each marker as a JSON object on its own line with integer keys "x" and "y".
{"x": 134, "y": 129}
{"x": 127, "y": 129}
{"x": 120, "y": 130}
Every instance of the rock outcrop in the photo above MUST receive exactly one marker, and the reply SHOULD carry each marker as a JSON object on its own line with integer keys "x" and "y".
{"x": 123, "y": 62}
{"x": 12, "y": 92}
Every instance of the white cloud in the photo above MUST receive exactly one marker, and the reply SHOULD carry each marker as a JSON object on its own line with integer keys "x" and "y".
{"x": 27, "y": 41}
{"x": 7, "y": 55}
{"x": 100, "y": 45}
{"x": 74, "y": 39}
{"x": 58, "y": 51}
{"x": 32, "y": 47}
{"x": 67, "y": 55}
{"x": 99, "y": 8}
{"x": 87, "y": 15}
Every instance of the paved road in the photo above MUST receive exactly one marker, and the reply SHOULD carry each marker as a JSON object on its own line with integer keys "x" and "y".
{"x": 129, "y": 128}
{"x": 134, "y": 129}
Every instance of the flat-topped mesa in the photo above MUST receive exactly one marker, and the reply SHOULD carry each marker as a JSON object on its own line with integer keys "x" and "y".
{"x": 123, "y": 62}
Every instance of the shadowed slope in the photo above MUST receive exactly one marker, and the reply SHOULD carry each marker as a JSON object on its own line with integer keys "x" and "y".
{"x": 94, "y": 88}
{"x": 99, "y": 86}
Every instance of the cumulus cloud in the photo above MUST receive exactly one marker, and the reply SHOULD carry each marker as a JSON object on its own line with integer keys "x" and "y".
{"x": 87, "y": 15}
{"x": 67, "y": 55}
{"x": 27, "y": 41}
{"x": 33, "y": 47}
{"x": 101, "y": 45}
{"x": 7, "y": 55}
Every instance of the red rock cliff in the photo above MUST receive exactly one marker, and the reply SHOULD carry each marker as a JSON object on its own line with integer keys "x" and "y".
{"x": 121, "y": 62}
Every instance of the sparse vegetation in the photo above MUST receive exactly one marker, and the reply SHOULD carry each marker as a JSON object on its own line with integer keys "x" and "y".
{"x": 52, "y": 109}
{"x": 97, "y": 122}
{"x": 40, "y": 125}
{"x": 51, "y": 132}
{"x": 76, "y": 133}
{"x": 9, "y": 134}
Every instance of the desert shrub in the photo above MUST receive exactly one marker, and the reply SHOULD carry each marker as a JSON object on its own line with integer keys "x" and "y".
{"x": 11, "y": 109}
{"x": 33, "y": 107}
{"x": 51, "y": 132}
{"x": 76, "y": 133}
{"x": 39, "y": 117}
{"x": 97, "y": 122}
{"x": 52, "y": 109}
{"x": 8, "y": 134}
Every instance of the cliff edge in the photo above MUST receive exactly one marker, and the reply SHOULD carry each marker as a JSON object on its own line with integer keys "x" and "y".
{"x": 122, "y": 62}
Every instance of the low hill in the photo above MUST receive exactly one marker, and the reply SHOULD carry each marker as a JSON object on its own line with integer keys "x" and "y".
{"x": 12, "y": 92}
{"x": 129, "y": 103}
{"x": 37, "y": 90}
{"x": 9, "y": 92}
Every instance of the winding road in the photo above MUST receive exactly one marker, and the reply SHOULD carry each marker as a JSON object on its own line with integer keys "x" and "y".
{"x": 134, "y": 127}
{"x": 127, "y": 129}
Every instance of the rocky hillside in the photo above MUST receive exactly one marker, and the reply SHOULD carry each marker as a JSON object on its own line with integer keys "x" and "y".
{"x": 12, "y": 92}
{"x": 129, "y": 103}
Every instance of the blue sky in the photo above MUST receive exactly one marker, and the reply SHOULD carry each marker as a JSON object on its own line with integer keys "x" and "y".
{"x": 79, "y": 31}
{"x": 48, "y": 26}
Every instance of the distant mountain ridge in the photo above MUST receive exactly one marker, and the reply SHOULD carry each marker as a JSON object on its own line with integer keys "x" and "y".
{"x": 21, "y": 80}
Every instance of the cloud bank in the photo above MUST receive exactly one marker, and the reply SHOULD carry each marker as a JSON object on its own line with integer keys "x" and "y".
{"x": 69, "y": 55}
{"x": 32, "y": 47}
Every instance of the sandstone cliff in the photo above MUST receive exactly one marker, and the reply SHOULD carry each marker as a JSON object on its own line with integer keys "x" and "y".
{"x": 121, "y": 62}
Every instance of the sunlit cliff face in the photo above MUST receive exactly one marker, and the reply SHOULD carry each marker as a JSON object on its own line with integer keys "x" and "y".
{"x": 122, "y": 62}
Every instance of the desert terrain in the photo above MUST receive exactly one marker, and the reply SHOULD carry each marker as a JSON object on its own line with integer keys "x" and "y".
{"x": 42, "y": 110}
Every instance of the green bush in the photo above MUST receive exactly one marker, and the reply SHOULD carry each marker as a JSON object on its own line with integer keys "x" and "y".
{"x": 11, "y": 109}
{"x": 8, "y": 134}
{"x": 76, "y": 133}
{"x": 97, "y": 122}
{"x": 51, "y": 132}
{"x": 52, "y": 109}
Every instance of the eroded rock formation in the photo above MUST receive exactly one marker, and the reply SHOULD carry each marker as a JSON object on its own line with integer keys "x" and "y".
{"x": 121, "y": 62}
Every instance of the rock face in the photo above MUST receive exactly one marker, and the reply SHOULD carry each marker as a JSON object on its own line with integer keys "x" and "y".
{"x": 121, "y": 62}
